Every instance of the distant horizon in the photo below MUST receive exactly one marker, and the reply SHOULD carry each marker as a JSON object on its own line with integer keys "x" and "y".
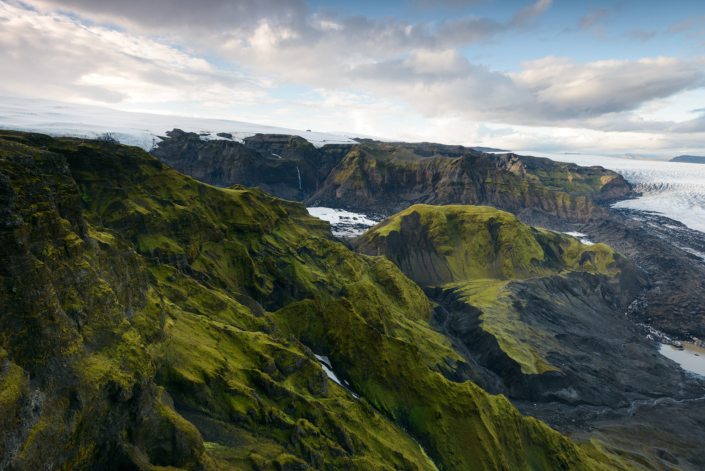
{"x": 614, "y": 76}
{"x": 6, "y": 123}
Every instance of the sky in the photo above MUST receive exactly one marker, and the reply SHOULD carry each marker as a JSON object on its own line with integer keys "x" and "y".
{"x": 604, "y": 77}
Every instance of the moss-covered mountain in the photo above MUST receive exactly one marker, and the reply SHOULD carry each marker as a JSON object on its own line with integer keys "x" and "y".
{"x": 382, "y": 178}
{"x": 149, "y": 321}
{"x": 541, "y": 311}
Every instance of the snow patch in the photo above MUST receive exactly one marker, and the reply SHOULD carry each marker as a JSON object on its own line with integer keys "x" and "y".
{"x": 325, "y": 363}
{"x": 60, "y": 119}
{"x": 581, "y": 237}
{"x": 344, "y": 223}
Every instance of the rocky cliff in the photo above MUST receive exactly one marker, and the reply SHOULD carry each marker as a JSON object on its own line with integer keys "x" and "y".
{"x": 380, "y": 178}
{"x": 149, "y": 321}
{"x": 288, "y": 167}
{"x": 365, "y": 183}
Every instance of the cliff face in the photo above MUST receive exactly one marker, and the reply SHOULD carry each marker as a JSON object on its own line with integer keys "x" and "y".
{"x": 530, "y": 305}
{"x": 287, "y": 167}
{"x": 594, "y": 182}
{"x": 364, "y": 182}
{"x": 148, "y": 321}
{"x": 387, "y": 178}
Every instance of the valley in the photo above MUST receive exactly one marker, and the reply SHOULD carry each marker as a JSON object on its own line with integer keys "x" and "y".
{"x": 200, "y": 317}
{"x": 297, "y": 235}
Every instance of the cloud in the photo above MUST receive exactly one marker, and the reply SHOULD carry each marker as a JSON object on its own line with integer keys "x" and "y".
{"x": 157, "y": 16}
{"x": 363, "y": 68}
{"x": 571, "y": 90}
{"x": 382, "y": 58}
{"x": 211, "y": 23}
{"x": 551, "y": 91}
{"x": 686, "y": 24}
{"x": 641, "y": 35}
{"x": 527, "y": 14}
{"x": 590, "y": 19}
{"x": 70, "y": 61}
{"x": 450, "y": 4}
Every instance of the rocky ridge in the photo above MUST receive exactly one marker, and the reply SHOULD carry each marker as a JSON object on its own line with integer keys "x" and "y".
{"x": 384, "y": 178}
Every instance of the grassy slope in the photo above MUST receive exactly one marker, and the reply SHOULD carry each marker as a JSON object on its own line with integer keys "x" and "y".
{"x": 234, "y": 282}
{"x": 484, "y": 250}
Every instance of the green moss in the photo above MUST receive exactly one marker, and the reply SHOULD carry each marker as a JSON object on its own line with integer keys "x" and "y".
{"x": 478, "y": 251}
{"x": 212, "y": 293}
{"x": 15, "y": 383}
{"x": 463, "y": 426}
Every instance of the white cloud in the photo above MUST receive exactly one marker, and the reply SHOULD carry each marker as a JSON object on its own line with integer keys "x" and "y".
{"x": 366, "y": 72}
{"x": 52, "y": 56}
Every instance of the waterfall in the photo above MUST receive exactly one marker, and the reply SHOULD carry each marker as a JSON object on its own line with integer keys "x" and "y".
{"x": 299, "y": 174}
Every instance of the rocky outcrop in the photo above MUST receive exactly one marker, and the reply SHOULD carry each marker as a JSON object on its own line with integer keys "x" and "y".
{"x": 365, "y": 183}
{"x": 675, "y": 304}
{"x": 288, "y": 167}
{"x": 692, "y": 159}
{"x": 593, "y": 182}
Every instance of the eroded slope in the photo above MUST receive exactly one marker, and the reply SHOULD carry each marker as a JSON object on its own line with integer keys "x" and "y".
{"x": 539, "y": 309}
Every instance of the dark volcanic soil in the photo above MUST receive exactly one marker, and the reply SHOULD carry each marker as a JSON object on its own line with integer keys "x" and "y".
{"x": 667, "y": 432}
{"x": 672, "y": 256}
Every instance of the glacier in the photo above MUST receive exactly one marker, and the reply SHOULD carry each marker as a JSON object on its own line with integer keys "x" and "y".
{"x": 59, "y": 119}
{"x": 672, "y": 189}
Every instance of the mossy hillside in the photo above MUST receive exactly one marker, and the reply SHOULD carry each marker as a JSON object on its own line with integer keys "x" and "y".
{"x": 252, "y": 389}
{"x": 571, "y": 178}
{"x": 68, "y": 303}
{"x": 554, "y": 176}
{"x": 568, "y": 178}
{"x": 184, "y": 293}
{"x": 481, "y": 253}
{"x": 376, "y": 282}
{"x": 271, "y": 393}
{"x": 163, "y": 318}
{"x": 477, "y": 242}
{"x": 461, "y": 425}
{"x": 244, "y": 240}
{"x": 528, "y": 345}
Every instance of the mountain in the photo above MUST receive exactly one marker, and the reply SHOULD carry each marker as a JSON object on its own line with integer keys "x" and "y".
{"x": 150, "y": 321}
{"x": 502, "y": 288}
{"x": 692, "y": 159}
{"x": 384, "y": 178}
{"x": 540, "y": 317}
